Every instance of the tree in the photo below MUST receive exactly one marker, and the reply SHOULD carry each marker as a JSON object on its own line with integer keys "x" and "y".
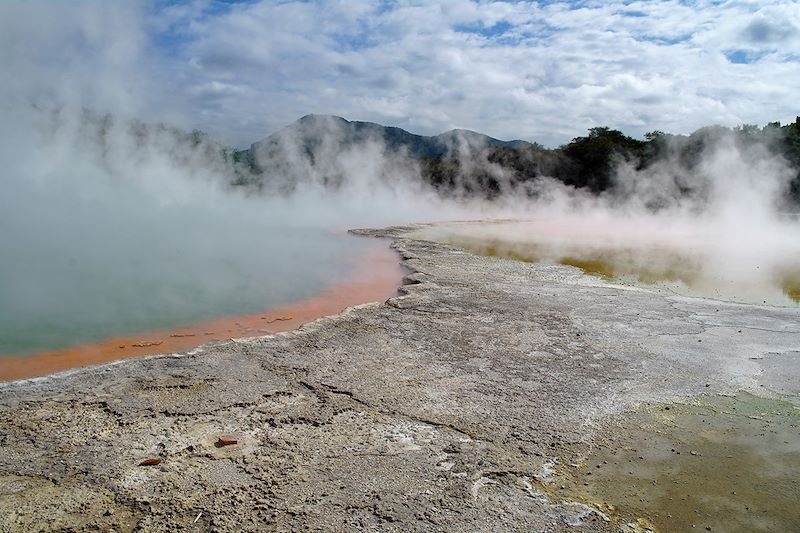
{"x": 592, "y": 156}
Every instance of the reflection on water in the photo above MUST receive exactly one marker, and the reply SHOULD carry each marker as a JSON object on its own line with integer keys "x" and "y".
{"x": 688, "y": 269}
{"x": 790, "y": 282}
{"x": 793, "y": 290}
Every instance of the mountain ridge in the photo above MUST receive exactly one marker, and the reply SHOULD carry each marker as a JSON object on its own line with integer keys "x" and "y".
{"x": 308, "y": 129}
{"x": 329, "y": 150}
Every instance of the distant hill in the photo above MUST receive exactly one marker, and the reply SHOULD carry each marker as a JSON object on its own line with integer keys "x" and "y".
{"x": 331, "y": 151}
{"x": 313, "y": 132}
{"x": 458, "y": 139}
{"x": 328, "y": 149}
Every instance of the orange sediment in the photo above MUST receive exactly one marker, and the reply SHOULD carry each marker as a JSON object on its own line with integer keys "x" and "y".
{"x": 376, "y": 278}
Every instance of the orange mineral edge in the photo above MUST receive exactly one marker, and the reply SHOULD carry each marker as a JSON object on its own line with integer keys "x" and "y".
{"x": 376, "y": 278}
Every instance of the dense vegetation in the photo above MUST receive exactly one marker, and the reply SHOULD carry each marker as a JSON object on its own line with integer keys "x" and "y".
{"x": 591, "y": 161}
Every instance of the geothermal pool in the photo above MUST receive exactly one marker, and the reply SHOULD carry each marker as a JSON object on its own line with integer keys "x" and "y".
{"x": 686, "y": 260}
{"x": 63, "y": 303}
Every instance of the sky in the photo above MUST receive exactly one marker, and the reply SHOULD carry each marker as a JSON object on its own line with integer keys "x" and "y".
{"x": 539, "y": 71}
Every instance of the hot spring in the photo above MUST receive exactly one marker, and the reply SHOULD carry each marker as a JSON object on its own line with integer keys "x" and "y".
{"x": 56, "y": 298}
{"x": 111, "y": 228}
{"x": 686, "y": 260}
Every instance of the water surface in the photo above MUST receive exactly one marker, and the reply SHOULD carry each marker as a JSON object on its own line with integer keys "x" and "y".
{"x": 688, "y": 263}
{"x": 55, "y": 295}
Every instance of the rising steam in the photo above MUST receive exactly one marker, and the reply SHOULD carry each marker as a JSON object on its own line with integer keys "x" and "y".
{"x": 717, "y": 230}
{"x": 107, "y": 220}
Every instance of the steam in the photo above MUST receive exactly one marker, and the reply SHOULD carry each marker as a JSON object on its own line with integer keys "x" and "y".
{"x": 112, "y": 224}
{"x": 714, "y": 230}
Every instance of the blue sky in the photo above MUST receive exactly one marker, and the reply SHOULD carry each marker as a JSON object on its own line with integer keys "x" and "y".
{"x": 543, "y": 71}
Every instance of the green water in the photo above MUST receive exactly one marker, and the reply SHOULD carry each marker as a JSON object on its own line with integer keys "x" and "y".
{"x": 57, "y": 295}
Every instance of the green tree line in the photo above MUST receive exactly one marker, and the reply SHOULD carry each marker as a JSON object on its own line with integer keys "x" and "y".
{"x": 589, "y": 161}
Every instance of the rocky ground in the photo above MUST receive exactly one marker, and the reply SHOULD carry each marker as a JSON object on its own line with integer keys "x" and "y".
{"x": 450, "y": 407}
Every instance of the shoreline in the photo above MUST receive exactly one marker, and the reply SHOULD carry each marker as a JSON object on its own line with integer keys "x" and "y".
{"x": 378, "y": 275}
{"x": 477, "y": 399}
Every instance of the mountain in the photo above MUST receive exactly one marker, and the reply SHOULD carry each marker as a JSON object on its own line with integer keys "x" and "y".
{"x": 456, "y": 140}
{"x": 330, "y": 151}
{"x": 313, "y": 133}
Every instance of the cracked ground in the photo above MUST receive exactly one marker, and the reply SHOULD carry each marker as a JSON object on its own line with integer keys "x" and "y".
{"x": 444, "y": 408}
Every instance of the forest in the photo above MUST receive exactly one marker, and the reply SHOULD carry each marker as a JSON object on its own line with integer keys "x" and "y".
{"x": 590, "y": 162}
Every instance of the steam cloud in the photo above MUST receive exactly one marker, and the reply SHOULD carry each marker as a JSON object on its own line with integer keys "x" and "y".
{"x": 107, "y": 220}
{"x": 730, "y": 238}
{"x": 114, "y": 225}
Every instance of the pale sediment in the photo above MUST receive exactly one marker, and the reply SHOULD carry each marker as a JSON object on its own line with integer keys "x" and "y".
{"x": 451, "y": 407}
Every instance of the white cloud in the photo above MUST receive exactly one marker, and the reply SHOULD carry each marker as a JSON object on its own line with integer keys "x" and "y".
{"x": 512, "y": 70}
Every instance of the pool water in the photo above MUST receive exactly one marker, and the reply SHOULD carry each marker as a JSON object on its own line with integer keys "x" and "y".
{"x": 687, "y": 269}
{"x": 54, "y": 299}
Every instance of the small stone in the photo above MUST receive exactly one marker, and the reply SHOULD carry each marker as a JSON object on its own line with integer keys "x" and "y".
{"x": 226, "y": 440}
{"x": 150, "y": 462}
{"x": 146, "y": 344}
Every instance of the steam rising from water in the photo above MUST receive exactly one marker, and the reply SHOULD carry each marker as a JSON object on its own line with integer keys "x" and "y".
{"x": 729, "y": 241}
{"x": 111, "y": 227}
{"x": 114, "y": 227}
